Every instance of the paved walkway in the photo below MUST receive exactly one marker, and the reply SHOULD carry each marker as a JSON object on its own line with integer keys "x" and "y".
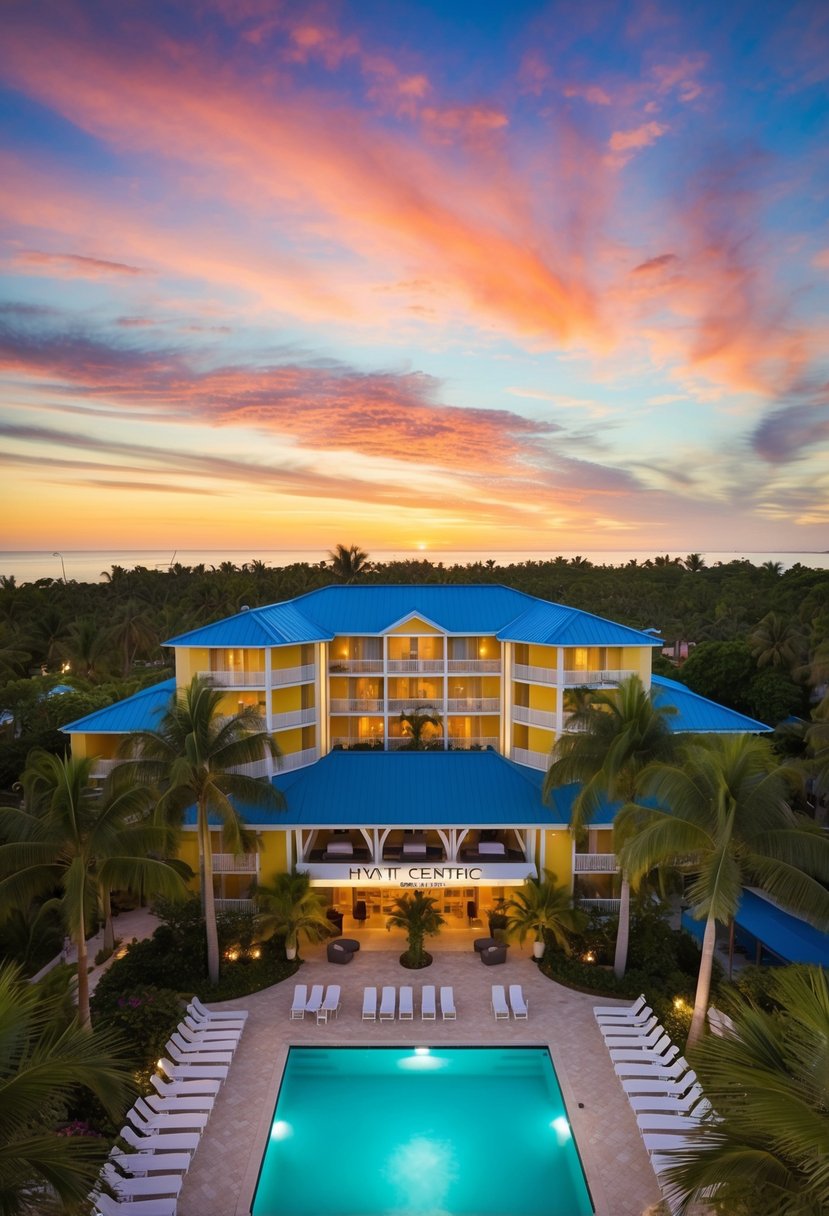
{"x": 222, "y": 1178}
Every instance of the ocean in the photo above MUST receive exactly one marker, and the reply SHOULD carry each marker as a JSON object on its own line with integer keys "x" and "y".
{"x": 88, "y": 565}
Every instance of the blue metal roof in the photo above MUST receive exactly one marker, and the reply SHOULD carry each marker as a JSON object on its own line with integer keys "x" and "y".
{"x": 556, "y": 625}
{"x": 274, "y": 625}
{"x": 142, "y": 711}
{"x": 409, "y": 789}
{"x": 696, "y": 714}
{"x": 788, "y": 937}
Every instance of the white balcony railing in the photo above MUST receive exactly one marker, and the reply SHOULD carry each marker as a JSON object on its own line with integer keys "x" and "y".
{"x": 534, "y": 717}
{"x": 413, "y": 704}
{"x": 256, "y": 768}
{"x": 355, "y": 705}
{"x": 292, "y": 760}
{"x": 280, "y": 676}
{"x": 234, "y": 863}
{"x": 601, "y": 905}
{"x": 224, "y": 677}
{"x": 539, "y": 760}
{"x": 415, "y": 666}
{"x": 472, "y": 742}
{"x": 294, "y": 717}
{"x": 355, "y": 666}
{"x": 534, "y": 675}
{"x": 488, "y": 666}
{"x": 591, "y": 678}
{"x": 347, "y": 741}
{"x": 102, "y": 768}
{"x": 595, "y": 863}
{"x": 473, "y": 705}
{"x": 235, "y": 905}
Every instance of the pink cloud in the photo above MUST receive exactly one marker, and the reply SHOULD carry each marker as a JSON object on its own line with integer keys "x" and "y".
{"x": 73, "y": 265}
{"x": 637, "y": 138}
{"x": 594, "y": 93}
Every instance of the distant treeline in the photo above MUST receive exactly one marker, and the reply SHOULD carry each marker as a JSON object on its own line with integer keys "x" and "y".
{"x": 761, "y": 634}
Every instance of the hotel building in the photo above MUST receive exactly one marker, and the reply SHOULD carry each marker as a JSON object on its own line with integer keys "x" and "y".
{"x": 368, "y": 816}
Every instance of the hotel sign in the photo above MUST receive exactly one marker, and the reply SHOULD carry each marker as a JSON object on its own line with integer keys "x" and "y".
{"x": 417, "y": 874}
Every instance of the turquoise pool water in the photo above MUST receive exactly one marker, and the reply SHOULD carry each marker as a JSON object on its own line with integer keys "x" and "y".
{"x": 420, "y": 1132}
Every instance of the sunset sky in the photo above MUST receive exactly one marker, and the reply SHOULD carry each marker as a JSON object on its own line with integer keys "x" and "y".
{"x": 483, "y": 275}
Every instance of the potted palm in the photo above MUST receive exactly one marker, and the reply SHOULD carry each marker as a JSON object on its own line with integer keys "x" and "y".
{"x": 545, "y": 909}
{"x": 290, "y": 907}
{"x": 419, "y": 916}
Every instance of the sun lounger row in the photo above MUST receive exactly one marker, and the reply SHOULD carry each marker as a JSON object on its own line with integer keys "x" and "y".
{"x": 662, "y": 1090}
{"x": 517, "y": 1003}
{"x": 321, "y": 1004}
{"x": 163, "y": 1129}
{"x": 403, "y": 1008}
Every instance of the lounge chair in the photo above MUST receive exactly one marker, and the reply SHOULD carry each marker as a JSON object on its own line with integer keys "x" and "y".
{"x": 141, "y": 1164}
{"x": 388, "y": 1000}
{"x": 160, "y": 1142}
{"x": 662, "y": 1052}
{"x": 206, "y": 1042}
{"x": 331, "y": 1004}
{"x": 219, "y": 1015}
{"x": 661, "y": 1142}
{"x": 498, "y": 1003}
{"x": 314, "y": 1002}
{"x": 671, "y": 1104}
{"x": 144, "y": 1118}
{"x": 189, "y": 1071}
{"x": 447, "y": 1003}
{"x": 147, "y": 1187}
{"x": 673, "y": 1086}
{"x": 628, "y": 1030}
{"x": 181, "y": 1055}
{"x": 102, "y": 1205}
{"x": 299, "y": 1002}
{"x": 369, "y": 1004}
{"x": 621, "y": 1011}
{"x": 177, "y": 1103}
{"x": 184, "y": 1089}
{"x": 658, "y": 1122}
{"x": 653, "y": 1070}
{"x": 520, "y": 1006}
{"x": 405, "y": 1010}
{"x": 427, "y": 1003}
{"x": 215, "y": 1031}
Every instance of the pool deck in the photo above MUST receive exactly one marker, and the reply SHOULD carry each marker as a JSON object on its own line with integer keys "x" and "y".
{"x": 222, "y": 1177}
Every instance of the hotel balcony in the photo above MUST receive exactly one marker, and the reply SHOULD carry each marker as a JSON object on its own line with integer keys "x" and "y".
{"x": 596, "y": 679}
{"x": 292, "y": 760}
{"x": 473, "y": 705}
{"x": 280, "y": 677}
{"x": 595, "y": 863}
{"x": 534, "y": 675}
{"x": 355, "y": 666}
{"x": 608, "y": 906}
{"x": 539, "y": 760}
{"x": 256, "y": 768}
{"x": 534, "y": 717}
{"x": 234, "y": 863}
{"x": 398, "y": 705}
{"x": 472, "y": 743}
{"x": 295, "y": 717}
{"x": 102, "y": 768}
{"x": 355, "y": 705}
{"x": 414, "y": 666}
{"x": 474, "y": 666}
{"x": 235, "y": 905}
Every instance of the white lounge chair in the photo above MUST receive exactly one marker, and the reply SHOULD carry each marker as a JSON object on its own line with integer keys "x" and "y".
{"x": 672, "y": 1104}
{"x": 658, "y": 1122}
{"x": 160, "y": 1142}
{"x": 103, "y": 1205}
{"x": 140, "y": 1164}
{"x": 300, "y": 1001}
{"x": 671, "y": 1086}
{"x": 629, "y": 1030}
{"x": 192, "y": 1071}
{"x": 144, "y": 1118}
{"x": 369, "y": 1004}
{"x": 214, "y": 1030}
{"x": 205, "y": 1042}
{"x": 621, "y": 1011}
{"x": 663, "y": 1049}
{"x": 388, "y": 1000}
{"x": 520, "y": 1006}
{"x": 184, "y": 1089}
{"x": 498, "y": 1003}
{"x": 331, "y": 1004}
{"x": 314, "y": 1002}
{"x": 176, "y": 1104}
{"x": 427, "y": 1003}
{"x": 148, "y": 1187}
{"x": 664, "y": 1142}
{"x": 652, "y": 1070}
{"x": 447, "y": 1003}
{"x": 184, "y": 1053}
{"x": 405, "y": 1011}
{"x": 219, "y": 1015}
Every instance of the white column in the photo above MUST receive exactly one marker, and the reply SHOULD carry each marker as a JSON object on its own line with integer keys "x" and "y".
{"x": 385, "y": 688}
{"x": 506, "y": 699}
{"x": 559, "y": 691}
{"x": 289, "y": 862}
{"x": 269, "y": 704}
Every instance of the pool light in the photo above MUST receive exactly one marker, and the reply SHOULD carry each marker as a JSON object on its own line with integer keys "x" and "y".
{"x": 281, "y": 1130}
{"x": 421, "y": 1051}
{"x": 561, "y": 1127}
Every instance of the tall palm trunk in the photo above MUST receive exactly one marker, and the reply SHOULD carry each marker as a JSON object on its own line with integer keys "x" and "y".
{"x": 106, "y": 913}
{"x": 703, "y": 993}
{"x": 623, "y": 932}
{"x": 211, "y": 928}
{"x": 84, "y": 1016}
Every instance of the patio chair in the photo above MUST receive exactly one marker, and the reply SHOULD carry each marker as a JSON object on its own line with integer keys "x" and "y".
{"x": 498, "y": 1003}
{"x": 182, "y": 1055}
{"x": 660, "y": 1122}
{"x": 191, "y": 1071}
{"x": 652, "y": 1070}
{"x": 103, "y": 1205}
{"x": 336, "y": 952}
{"x": 312, "y": 1005}
{"x": 405, "y": 1010}
{"x": 209, "y": 1042}
{"x": 184, "y": 1089}
{"x": 674, "y": 1086}
{"x": 629, "y": 1030}
{"x": 145, "y": 1119}
{"x": 447, "y": 1003}
{"x": 141, "y": 1164}
{"x": 150, "y": 1186}
{"x": 369, "y": 1004}
{"x": 427, "y": 1003}
{"x": 219, "y": 1015}
{"x": 214, "y": 1023}
{"x": 173, "y": 1104}
{"x": 209, "y": 1032}
{"x": 520, "y": 1006}
{"x": 160, "y": 1142}
{"x": 662, "y": 1052}
{"x": 331, "y": 1004}
{"x": 671, "y": 1104}
{"x": 388, "y": 999}
{"x": 620, "y": 1011}
{"x": 299, "y": 1002}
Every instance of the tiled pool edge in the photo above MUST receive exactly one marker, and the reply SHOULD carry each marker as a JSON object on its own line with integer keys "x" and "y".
{"x": 259, "y": 1139}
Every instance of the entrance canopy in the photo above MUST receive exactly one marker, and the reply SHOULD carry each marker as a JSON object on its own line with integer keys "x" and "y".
{"x": 784, "y": 935}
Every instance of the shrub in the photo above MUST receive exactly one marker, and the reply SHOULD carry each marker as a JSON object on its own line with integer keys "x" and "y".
{"x": 145, "y": 1017}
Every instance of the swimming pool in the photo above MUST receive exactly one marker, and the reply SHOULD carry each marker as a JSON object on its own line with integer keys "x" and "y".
{"x": 420, "y": 1131}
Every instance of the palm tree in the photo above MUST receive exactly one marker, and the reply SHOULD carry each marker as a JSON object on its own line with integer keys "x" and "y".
{"x": 766, "y": 1154}
{"x": 612, "y": 738}
{"x": 723, "y": 812}
{"x": 775, "y": 569}
{"x": 67, "y": 837}
{"x": 348, "y": 563}
{"x": 418, "y": 915}
{"x": 289, "y": 906}
{"x": 694, "y": 562}
{"x": 413, "y": 723}
{"x": 44, "y": 1063}
{"x": 193, "y": 759}
{"x": 132, "y": 633}
{"x": 86, "y": 647}
{"x": 545, "y": 909}
{"x": 777, "y": 642}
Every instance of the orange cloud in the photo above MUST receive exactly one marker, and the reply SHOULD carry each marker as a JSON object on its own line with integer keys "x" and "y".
{"x": 640, "y": 137}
